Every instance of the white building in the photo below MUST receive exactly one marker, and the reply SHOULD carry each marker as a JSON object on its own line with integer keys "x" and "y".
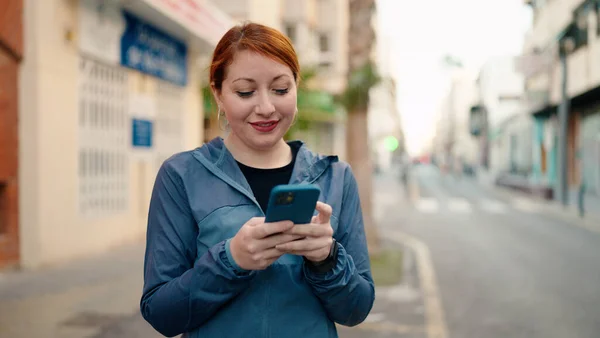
{"x": 98, "y": 114}
{"x": 318, "y": 30}
{"x": 573, "y": 26}
{"x": 383, "y": 117}
{"x": 454, "y": 146}
{"x": 501, "y": 90}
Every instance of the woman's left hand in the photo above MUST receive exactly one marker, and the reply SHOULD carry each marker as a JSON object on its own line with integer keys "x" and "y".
{"x": 318, "y": 236}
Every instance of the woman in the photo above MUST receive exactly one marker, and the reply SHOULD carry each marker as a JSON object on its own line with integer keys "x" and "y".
{"x": 213, "y": 267}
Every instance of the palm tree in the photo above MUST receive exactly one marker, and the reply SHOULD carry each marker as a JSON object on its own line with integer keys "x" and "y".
{"x": 361, "y": 78}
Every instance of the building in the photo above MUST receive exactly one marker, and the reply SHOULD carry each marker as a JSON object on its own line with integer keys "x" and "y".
{"x": 455, "y": 148}
{"x": 462, "y": 95}
{"x": 318, "y": 30}
{"x": 568, "y": 28}
{"x": 11, "y": 55}
{"x": 500, "y": 122}
{"x": 106, "y": 91}
{"x": 384, "y": 122}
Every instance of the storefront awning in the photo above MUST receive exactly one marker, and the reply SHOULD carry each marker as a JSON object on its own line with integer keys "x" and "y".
{"x": 190, "y": 19}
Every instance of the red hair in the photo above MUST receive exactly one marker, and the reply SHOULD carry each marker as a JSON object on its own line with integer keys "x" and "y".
{"x": 258, "y": 38}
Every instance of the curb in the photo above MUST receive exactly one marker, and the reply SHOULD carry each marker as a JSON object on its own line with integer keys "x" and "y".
{"x": 435, "y": 321}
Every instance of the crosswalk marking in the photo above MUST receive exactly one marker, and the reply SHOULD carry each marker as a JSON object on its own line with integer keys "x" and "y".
{"x": 525, "y": 205}
{"x": 427, "y": 205}
{"x": 459, "y": 205}
{"x": 494, "y": 207}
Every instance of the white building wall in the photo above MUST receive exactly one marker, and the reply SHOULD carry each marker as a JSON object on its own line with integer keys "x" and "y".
{"x": 383, "y": 117}
{"x": 502, "y": 90}
{"x": 52, "y": 226}
{"x": 552, "y": 17}
{"x": 266, "y": 12}
{"x": 500, "y": 81}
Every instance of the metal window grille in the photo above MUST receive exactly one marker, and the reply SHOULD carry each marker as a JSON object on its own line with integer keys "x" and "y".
{"x": 103, "y": 135}
{"x": 169, "y": 120}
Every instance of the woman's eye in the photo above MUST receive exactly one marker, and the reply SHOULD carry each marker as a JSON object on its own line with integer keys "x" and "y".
{"x": 245, "y": 94}
{"x": 282, "y": 91}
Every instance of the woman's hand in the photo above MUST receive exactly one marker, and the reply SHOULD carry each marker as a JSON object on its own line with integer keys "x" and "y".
{"x": 316, "y": 244}
{"x": 254, "y": 246}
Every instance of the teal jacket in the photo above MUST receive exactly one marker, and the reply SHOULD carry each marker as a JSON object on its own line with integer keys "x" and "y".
{"x": 193, "y": 287}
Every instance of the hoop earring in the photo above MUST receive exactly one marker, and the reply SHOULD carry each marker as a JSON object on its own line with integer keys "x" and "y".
{"x": 219, "y": 114}
{"x": 295, "y": 119}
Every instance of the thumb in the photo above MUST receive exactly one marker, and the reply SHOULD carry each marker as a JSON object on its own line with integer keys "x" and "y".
{"x": 324, "y": 212}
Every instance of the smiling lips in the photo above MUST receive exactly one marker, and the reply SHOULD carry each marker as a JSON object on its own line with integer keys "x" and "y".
{"x": 264, "y": 126}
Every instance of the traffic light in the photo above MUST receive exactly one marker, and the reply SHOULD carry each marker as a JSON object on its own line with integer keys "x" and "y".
{"x": 391, "y": 143}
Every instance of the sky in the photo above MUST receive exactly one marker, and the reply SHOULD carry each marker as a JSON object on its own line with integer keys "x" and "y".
{"x": 417, "y": 35}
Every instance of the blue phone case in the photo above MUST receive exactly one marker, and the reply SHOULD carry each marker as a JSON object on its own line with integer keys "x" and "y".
{"x": 292, "y": 202}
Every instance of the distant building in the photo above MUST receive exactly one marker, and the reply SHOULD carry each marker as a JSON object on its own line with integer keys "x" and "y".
{"x": 572, "y": 27}
{"x": 384, "y": 119}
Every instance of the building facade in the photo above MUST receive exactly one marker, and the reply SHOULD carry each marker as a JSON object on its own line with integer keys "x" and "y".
{"x": 505, "y": 122}
{"x": 11, "y": 55}
{"x": 455, "y": 146}
{"x": 107, "y": 91}
{"x": 569, "y": 28}
{"x": 386, "y": 136}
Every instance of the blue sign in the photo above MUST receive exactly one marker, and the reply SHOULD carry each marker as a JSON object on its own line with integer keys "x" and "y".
{"x": 151, "y": 51}
{"x": 141, "y": 135}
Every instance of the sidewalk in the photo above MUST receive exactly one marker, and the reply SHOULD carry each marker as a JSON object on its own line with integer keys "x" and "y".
{"x": 569, "y": 213}
{"x": 78, "y": 299}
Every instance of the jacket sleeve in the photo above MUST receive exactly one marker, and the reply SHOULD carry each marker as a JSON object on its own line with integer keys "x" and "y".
{"x": 347, "y": 292}
{"x": 180, "y": 295}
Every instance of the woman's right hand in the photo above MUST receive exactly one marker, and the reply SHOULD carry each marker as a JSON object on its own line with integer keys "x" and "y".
{"x": 253, "y": 247}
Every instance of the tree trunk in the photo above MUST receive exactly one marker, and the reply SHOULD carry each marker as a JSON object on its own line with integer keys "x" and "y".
{"x": 360, "y": 43}
{"x": 359, "y": 157}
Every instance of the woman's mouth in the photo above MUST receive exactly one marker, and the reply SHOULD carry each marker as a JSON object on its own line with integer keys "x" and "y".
{"x": 264, "y": 126}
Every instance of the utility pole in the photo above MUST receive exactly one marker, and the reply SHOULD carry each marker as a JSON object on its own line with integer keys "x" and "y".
{"x": 563, "y": 121}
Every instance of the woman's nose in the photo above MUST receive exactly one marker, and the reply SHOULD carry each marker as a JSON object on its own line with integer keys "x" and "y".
{"x": 265, "y": 106}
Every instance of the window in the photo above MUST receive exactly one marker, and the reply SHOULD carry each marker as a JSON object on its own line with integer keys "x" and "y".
{"x": 290, "y": 31}
{"x": 324, "y": 42}
{"x": 103, "y": 131}
{"x": 325, "y": 65}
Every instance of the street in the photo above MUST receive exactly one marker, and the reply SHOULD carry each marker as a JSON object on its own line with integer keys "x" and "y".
{"x": 499, "y": 268}
{"x": 505, "y": 268}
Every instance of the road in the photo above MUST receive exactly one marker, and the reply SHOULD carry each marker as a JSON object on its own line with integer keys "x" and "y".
{"x": 504, "y": 267}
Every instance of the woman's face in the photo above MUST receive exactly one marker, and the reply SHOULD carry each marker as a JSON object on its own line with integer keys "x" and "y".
{"x": 258, "y": 97}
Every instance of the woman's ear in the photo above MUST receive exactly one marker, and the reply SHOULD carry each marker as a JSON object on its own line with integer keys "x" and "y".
{"x": 216, "y": 93}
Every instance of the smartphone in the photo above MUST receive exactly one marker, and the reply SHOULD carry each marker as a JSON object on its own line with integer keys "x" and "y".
{"x": 292, "y": 202}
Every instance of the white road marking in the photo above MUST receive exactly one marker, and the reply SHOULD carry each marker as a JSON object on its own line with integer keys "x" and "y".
{"x": 459, "y": 205}
{"x": 493, "y": 206}
{"x": 427, "y": 205}
{"x": 525, "y": 205}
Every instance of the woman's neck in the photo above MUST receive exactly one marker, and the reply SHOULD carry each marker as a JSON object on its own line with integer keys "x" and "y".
{"x": 277, "y": 156}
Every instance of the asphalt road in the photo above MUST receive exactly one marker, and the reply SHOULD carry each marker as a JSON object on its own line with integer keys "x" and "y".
{"x": 504, "y": 267}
